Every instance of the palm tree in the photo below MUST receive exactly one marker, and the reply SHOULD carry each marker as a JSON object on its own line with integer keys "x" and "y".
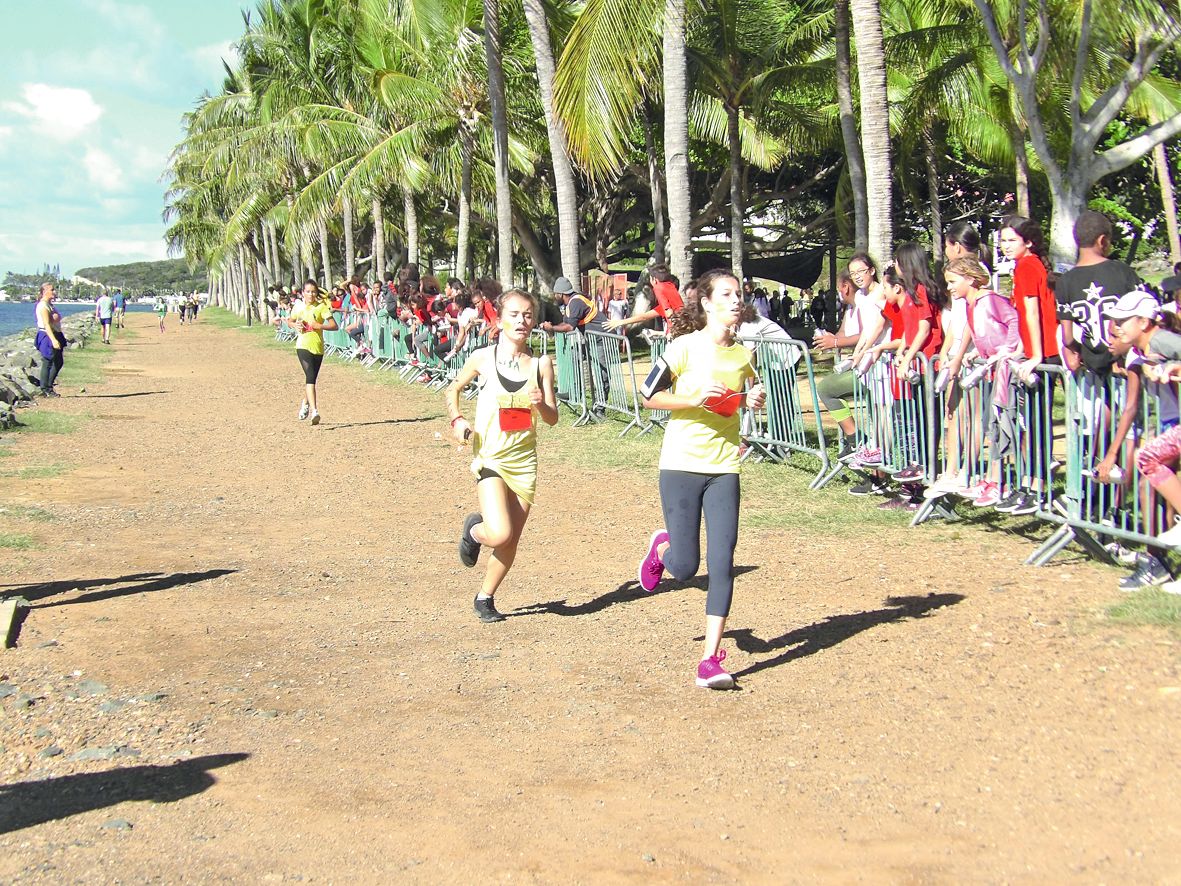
{"x": 504, "y": 204}
{"x": 875, "y": 125}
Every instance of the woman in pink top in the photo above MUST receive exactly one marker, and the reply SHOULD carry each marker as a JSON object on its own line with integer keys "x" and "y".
{"x": 994, "y": 328}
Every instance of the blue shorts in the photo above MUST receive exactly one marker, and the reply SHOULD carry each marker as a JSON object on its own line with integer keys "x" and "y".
{"x": 106, "y": 321}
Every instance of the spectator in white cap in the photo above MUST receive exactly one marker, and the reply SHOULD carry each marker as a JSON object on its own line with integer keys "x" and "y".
{"x": 1138, "y": 321}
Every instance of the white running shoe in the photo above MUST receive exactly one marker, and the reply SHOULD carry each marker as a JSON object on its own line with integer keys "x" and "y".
{"x": 315, "y": 418}
{"x": 303, "y": 411}
{"x": 1171, "y": 538}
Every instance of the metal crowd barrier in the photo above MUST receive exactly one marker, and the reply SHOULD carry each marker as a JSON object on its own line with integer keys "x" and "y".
{"x": 571, "y": 385}
{"x": 891, "y": 410}
{"x": 780, "y": 427}
{"x": 613, "y": 377}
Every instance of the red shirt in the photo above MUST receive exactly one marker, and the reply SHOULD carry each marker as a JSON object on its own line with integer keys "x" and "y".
{"x": 913, "y": 314}
{"x": 488, "y": 312}
{"x": 336, "y": 302}
{"x": 893, "y": 316}
{"x": 1029, "y": 281}
{"x": 667, "y": 298}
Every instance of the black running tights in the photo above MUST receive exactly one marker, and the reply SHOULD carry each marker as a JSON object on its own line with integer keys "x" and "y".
{"x": 685, "y": 497}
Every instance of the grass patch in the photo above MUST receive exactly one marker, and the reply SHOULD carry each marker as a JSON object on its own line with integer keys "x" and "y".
{"x": 25, "y": 512}
{"x": 84, "y": 366}
{"x": 41, "y": 421}
{"x": 35, "y": 472}
{"x": 16, "y": 541}
{"x": 264, "y": 333}
{"x": 1149, "y": 607}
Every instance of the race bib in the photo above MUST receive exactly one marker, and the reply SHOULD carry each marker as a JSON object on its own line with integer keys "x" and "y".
{"x": 515, "y": 412}
{"x": 725, "y": 404}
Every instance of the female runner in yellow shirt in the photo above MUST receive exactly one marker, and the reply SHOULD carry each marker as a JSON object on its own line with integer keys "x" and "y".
{"x": 514, "y": 385}
{"x": 310, "y": 321}
{"x": 700, "y": 380}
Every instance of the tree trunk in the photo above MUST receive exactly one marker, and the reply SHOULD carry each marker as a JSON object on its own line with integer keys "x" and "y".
{"x": 656, "y": 187}
{"x": 325, "y": 260}
{"x": 854, "y": 158}
{"x": 378, "y": 240}
{"x": 280, "y": 274}
{"x": 676, "y": 139}
{"x": 411, "y": 226}
{"x": 350, "y": 251}
{"x": 504, "y": 204}
{"x": 875, "y": 126}
{"x": 242, "y": 276}
{"x": 737, "y": 215}
{"x": 565, "y": 194}
{"x": 463, "y": 233}
{"x": 267, "y": 257}
{"x": 1020, "y": 168}
{"x": 929, "y": 157}
{"x": 1160, "y": 159}
{"x": 1134, "y": 246}
{"x": 1068, "y": 202}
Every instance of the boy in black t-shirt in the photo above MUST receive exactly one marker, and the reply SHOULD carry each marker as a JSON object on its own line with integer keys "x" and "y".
{"x": 1087, "y": 290}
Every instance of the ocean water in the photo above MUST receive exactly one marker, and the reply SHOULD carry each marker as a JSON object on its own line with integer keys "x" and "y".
{"x": 18, "y": 316}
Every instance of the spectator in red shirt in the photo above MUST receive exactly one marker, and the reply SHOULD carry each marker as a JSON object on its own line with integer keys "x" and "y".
{"x": 668, "y": 300}
{"x": 485, "y": 293}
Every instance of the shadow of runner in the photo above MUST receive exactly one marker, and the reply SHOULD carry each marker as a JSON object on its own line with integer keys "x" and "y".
{"x": 834, "y": 629}
{"x": 139, "y": 583}
{"x": 384, "y": 421}
{"x": 625, "y": 593}
{"x": 117, "y": 396}
{"x": 29, "y": 803}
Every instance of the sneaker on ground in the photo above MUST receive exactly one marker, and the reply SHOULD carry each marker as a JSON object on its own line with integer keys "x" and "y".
{"x": 990, "y": 494}
{"x": 894, "y": 503}
{"x": 867, "y": 457}
{"x": 652, "y": 567}
{"x": 1150, "y": 572}
{"x": 1010, "y": 501}
{"x": 486, "y": 610}
{"x": 469, "y": 548}
{"x": 712, "y": 675}
{"x": 1171, "y": 538}
{"x": 868, "y": 487}
{"x": 1027, "y": 505}
{"x": 910, "y": 473}
{"x": 315, "y": 418}
{"x": 304, "y": 410}
{"x": 1121, "y": 554}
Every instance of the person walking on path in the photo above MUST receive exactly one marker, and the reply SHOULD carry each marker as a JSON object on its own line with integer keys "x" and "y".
{"x": 310, "y": 321}
{"x": 50, "y": 342}
{"x": 700, "y": 380}
{"x": 161, "y": 307}
{"x": 515, "y": 389}
{"x": 104, "y": 310}
{"x": 120, "y": 302}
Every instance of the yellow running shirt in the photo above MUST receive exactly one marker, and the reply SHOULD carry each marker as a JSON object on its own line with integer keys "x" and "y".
{"x": 312, "y": 341}
{"x": 697, "y": 439}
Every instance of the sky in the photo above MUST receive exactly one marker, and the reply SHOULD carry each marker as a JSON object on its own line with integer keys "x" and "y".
{"x": 91, "y": 98}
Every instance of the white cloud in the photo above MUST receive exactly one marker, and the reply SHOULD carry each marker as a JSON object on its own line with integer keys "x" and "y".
{"x": 6, "y": 132}
{"x": 137, "y": 19}
{"x": 57, "y": 112}
{"x": 102, "y": 169}
{"x": 208, "y": 59}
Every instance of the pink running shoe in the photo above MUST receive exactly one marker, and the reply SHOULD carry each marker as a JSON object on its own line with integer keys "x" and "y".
{"x": 989, "y": 495}
{"x": 651, "y": 567}
{"x": 712, "y": 675}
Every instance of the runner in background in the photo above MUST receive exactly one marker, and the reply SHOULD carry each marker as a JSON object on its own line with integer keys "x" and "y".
{"x": 515, "y": 389}
{"x": 161, "y": 308}
{"x": 700, "y": 380}
{"x": 310, "y": 321}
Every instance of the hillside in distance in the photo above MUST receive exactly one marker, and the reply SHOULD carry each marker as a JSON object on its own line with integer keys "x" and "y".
{"x": 170, "y": 274}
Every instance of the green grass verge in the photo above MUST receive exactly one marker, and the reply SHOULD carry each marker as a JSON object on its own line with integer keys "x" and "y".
{"x": 25, "y": 512}
{"x": 43, "y": 421}
{"x": 35, "y": 472}
{"x": 1148, "y": 607}
{"x": 16, "y": 541}
{"x": 84, "y": 366}
{"x": 220, "y": 318}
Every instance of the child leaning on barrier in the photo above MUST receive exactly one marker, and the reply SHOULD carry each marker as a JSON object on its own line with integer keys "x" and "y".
{"x": 996, "y": 339}
{"x": 1138, "y": 320}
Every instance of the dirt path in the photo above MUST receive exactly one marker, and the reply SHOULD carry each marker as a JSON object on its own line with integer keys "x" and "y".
{"x": 262, "y": 633}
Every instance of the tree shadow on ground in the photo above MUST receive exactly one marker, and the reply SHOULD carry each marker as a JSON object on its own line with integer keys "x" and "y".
{"x": 625, "y": 593}
{"x": 138, "y": 583}
{"x": 835, "y": 629}
{"x": 384, "y": 421}
{"x": 118, "y": 396}
{"x": 29, "y": 803}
